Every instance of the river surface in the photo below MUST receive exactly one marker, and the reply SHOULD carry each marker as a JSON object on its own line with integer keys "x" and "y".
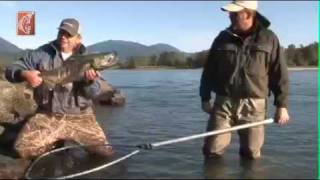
{"x": 164, "y": 104}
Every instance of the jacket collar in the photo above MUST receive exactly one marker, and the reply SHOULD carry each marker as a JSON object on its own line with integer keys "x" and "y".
{"x": 54, "y": 44}
{"x": 261, "y": 23}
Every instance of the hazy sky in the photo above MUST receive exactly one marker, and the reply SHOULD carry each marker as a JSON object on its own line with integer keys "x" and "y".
{"x": 188, "y": 25}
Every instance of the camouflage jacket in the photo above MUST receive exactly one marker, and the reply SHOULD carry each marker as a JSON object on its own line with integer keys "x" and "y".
{"x": 246, "y": 68}
{"x": 73, "y": 99}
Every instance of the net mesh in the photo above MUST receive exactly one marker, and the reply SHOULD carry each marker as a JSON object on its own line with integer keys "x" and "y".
{"x": 76, "y": 159}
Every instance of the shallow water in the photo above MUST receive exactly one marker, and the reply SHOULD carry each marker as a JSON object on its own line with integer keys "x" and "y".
{"x": 164, "y": 104}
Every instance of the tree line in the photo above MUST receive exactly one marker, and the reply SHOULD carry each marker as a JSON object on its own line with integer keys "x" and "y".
{"x": 302, "y": 56}
{"x": 294, "y": 56}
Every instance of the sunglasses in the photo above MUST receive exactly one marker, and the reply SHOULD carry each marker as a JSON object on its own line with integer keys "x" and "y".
{"x": 64, "y": 33}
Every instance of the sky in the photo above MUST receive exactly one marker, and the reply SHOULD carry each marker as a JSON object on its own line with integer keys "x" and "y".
{"x": 190, "y": 26}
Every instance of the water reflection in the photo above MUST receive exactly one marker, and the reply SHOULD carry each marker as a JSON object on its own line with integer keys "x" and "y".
{"x": 252, "y": 169}
{"x": 222, "y": 168}
{"x": 215, "y": 168}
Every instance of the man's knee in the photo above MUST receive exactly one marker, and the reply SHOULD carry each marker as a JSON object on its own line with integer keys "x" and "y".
{"x": 23, "y": 152}
{"x": 250, "y": 153}
{"x": 216, "y": 146}
{"x": 251, "y": 142}
{"x": 105, "y": 151}
{"x": 212, "y": 155}
{"x": 29, "y": 152}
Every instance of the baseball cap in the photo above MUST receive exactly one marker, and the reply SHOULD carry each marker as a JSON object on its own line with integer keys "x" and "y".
{"x": 238, "y": 5}
{"x": 72, "y": 26}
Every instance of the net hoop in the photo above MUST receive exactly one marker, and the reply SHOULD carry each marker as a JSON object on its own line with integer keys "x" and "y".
{"x": 27, "y": 174}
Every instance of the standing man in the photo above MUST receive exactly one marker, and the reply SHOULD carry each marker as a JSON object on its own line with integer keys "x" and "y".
{"x": 65, "y": 112}
{"x": 244, "y": 64}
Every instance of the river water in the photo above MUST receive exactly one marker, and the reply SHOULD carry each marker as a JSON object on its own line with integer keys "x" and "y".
{"x": 164, "y": 104}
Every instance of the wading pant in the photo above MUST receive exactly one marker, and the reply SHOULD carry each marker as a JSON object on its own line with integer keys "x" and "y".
{"x": 228, "y": 112}
{"x": 42, "y": 133}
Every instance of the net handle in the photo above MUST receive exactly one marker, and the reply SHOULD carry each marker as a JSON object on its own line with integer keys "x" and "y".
{"x": 210, "y": 133}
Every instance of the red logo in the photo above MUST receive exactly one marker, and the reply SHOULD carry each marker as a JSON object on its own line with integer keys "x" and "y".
{"x": 26, "y": 23}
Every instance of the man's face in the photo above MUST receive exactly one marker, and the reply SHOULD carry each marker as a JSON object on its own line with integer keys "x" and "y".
{"x": 241, "y": 21}
{"x": 67, "y": 42}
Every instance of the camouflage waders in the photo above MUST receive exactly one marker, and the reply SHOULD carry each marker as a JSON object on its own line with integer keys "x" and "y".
{"x": 234, "y": 111}
{"x": 41, "y": 133}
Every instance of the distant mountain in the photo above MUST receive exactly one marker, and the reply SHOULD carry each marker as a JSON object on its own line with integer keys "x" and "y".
{"x": 8, "y": 48}
{"x": 163, "y": 47}
{"x": 8, "y": 52}
{"x": 126, "y": 49}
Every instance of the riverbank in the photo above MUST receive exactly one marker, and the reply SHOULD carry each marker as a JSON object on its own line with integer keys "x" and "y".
{"x": 168, "y": 67}
{"x": 302, "y": 68}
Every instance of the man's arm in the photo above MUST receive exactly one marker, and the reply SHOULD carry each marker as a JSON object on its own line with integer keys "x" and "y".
{"x": 24, "y": 69}
{"x": 206, "y": 82}
{"x": 91, "y": 85}
{"x": 279, "y": 83}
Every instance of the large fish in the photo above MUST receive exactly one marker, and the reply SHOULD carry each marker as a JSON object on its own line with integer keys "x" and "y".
{"x": 73, "y": 68}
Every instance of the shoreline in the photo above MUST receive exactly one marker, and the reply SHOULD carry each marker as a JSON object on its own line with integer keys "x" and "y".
{"x": 302, "y": 68}
{"x": 171, "y": 68}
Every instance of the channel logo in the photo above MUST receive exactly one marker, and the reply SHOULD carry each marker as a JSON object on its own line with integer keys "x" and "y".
{"x": 26, "y": 23}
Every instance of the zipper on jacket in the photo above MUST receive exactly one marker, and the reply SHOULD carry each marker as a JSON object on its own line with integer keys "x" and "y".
{"x": 236, "y": 76}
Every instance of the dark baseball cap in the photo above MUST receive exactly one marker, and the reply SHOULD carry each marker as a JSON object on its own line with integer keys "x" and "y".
{"x": 72, "y": 26}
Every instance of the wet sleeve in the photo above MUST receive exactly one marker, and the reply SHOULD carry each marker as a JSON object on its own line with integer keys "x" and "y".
{"x": 207, "y": 81}
{"x": 91, "y": 89}
{"x": 278, "y": 75}
{"x": 27, "y": 62}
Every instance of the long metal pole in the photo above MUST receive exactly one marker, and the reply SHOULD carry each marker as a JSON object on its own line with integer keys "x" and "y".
{"x": 211, "y": 133}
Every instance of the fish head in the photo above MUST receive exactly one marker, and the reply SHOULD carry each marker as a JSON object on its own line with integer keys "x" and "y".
{"x": 104, "y": 61}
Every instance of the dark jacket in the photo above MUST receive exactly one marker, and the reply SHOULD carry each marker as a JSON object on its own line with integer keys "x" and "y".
{"x": 62, "y": 99}
{"x": 247, "y": 68}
